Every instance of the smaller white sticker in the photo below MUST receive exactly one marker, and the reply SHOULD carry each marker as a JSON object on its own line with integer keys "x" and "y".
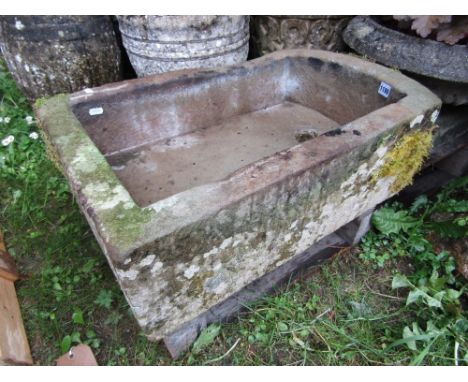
{"x": 88, "y": 91}
{"x": 385, "y": 89}
{"x": 96, "y": 111}
{"x": 434, "y": 115}
{"x": 416, "y": 121}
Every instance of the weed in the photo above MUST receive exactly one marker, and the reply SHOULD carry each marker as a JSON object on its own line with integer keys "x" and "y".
{"x": 104, "y": 299}
{"x": 432, "y": 287}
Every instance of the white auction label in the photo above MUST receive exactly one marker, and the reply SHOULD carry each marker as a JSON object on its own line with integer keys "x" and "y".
{"x": 385, "y": 89}
{"x": 96, "y": 111}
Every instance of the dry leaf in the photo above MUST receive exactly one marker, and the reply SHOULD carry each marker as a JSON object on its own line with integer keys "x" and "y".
{"x": 454, "y": 33}
{"x": 424, "y": 25}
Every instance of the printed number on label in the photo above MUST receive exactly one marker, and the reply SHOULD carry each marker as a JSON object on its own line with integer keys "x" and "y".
{"x": 384, "y": 89}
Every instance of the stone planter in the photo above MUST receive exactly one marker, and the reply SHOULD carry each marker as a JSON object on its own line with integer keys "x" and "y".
{"x": 271, "y": 33}
{"x": 441, "y": 67}
{"x": 196, "y": 183}
{"x": 48, "y": 55}
{"x": 157, "y": 44}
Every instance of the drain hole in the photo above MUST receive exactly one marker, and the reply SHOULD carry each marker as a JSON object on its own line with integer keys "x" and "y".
{"x": 305, "y": 134}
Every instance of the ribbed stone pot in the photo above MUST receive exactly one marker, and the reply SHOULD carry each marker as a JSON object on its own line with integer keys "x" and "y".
{"x": 48, "y": 55}
{"x": 441, "y": 67}
{"x": 271, "y": 33}
{"x": 158, "y": 44}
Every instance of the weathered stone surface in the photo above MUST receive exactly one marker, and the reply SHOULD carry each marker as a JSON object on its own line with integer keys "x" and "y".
{"x": 158, "y": 44}
{"x": 48, "y": 55}
{"x": 441, "y": 67}
{"x": 181, "y": 339}
{"x": 272, "y": 33}
{"x": 177, "y": 255}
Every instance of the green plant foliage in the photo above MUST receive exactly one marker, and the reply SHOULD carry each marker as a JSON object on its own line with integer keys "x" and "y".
{"x": 77, "y": 317}
{"x": 65, "y": 344}
{"x": 104, "y": 299}
{"x": 432, "y": 288}
{"x": 388, "y": 220}
{"x": 206, "y": 337}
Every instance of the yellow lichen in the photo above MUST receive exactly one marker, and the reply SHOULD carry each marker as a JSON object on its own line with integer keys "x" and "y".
{"x": 405, "y": 159}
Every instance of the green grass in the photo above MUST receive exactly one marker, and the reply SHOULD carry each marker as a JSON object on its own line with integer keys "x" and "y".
{"x": 343, "y": 313}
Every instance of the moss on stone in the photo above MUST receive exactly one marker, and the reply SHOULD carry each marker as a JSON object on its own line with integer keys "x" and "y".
{"x": 40, "y": 102}
{"x": 125, "y": 225}
{"x": 51, "y": 152}
{"x": 405, "y": 159}
{"x": 114, "y": 212}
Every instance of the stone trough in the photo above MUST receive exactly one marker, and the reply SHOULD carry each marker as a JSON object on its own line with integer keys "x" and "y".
{"x": 197, "y": 183}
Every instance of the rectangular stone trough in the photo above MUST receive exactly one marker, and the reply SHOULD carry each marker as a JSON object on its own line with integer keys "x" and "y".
{"x": 196, "y": 183}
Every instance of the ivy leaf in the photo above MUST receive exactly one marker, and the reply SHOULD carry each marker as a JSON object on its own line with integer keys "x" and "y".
{"x": 65, "y": 344}
{"x": 77, "y": 317}
{"x": 440, "y": 295}
{"x": 90, "y": 334}
{"x": 207, "y": 336}
{"x": 407, "y": 333}
{"x": 76, "y": 337}
{"x": 400, "y": 281}
{"x": 432, "y": 302}
{"x": 387, "y": 221}
{"x": 414, "y": 296}
{"x": 453, "y": 295}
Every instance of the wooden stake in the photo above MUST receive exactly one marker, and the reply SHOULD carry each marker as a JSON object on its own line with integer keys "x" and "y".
{"x": 14, "y": 347}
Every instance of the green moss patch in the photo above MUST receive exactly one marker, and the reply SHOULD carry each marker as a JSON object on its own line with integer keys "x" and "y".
{"x": 118, "y": 219}
{"x": 405, "y": 158}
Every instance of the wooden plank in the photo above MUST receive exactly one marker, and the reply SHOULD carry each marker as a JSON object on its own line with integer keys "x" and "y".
{"x": 14, "y": 347}
{"x": 7, "y": 265}
{"x": 181, "y": 339}
{"x": 456, "y": 164}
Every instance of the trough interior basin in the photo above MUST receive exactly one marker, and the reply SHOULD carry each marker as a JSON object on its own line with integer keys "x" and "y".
{"x": 165, "y": 137}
